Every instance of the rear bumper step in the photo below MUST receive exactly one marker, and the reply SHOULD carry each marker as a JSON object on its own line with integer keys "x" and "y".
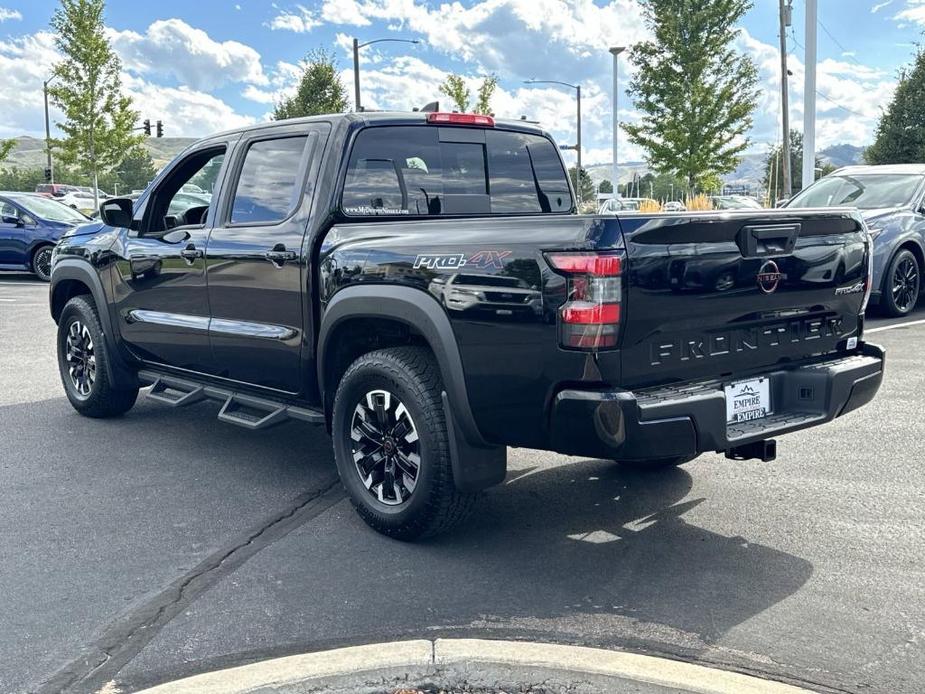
{"x": 689, "y": 419}
{"x": 242, "y": 409}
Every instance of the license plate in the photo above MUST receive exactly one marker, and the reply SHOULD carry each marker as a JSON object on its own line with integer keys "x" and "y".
{"x": 748, "y": 400}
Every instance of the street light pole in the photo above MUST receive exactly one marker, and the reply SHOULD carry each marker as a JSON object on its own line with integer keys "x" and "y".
{"x": 578, "y": 138}
{"x": 356, "y": 65}
{"x": 356, "y": 76}
{"x": 615, "y": 51}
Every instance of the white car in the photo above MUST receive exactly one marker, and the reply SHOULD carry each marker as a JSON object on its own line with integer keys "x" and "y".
{"x": 674, "y": 206}
{"x": 80, "y": 201}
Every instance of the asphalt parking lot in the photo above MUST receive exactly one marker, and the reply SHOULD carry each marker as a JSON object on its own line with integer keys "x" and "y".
{"x": 165, "y": 543}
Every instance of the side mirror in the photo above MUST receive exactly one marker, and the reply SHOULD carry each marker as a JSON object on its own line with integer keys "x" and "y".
{"x": 9, "y": 219}
{"x": 117, "y": 212}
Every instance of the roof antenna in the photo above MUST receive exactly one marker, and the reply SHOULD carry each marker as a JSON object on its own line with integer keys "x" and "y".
{"x": 432, "y": 107}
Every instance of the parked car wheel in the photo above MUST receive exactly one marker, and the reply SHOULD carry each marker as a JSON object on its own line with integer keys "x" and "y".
{"x": 41, "y": 262}
{"x": 82, "y": 360}
{"x": 391, "y": 444}
{"x": 654, "y": 463}
{"x": 902, "y": 284}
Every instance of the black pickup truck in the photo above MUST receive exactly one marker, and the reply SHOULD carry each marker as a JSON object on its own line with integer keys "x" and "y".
{"x": 421, "y": 284}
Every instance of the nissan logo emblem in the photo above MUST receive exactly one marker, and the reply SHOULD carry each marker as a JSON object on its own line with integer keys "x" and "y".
{"x": 769, "y": 277}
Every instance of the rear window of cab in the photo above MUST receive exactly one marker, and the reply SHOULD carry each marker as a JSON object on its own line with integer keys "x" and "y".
{"x": 433, "y": 171}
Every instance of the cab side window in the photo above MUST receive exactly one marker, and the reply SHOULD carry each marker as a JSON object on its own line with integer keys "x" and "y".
{"x": 184, "y": 197}
{"x": 268, "y": 188}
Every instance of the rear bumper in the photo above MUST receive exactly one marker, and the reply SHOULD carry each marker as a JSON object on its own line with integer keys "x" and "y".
{"x": 686, "y": 420}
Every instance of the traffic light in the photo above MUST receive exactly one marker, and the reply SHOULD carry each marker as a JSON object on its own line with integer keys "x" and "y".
{"x": 47, "y": 175}
{"x": 160, "y": 129}
{"x": 146, "y": 126}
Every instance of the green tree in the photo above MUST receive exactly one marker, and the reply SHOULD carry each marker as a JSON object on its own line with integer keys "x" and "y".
{"x": 98, "y": 118}
{"x": 585, "y": 191}
{"x": 15, "y": 178}
{"x": 605, "y": 186}
{"x": 136, "y": 171}
{"x": 454, "y": 86}
{"x": 772, "y": 179}
{"x": 696, "y": 92}
{"x": 6, "y": 146}
{"x": 900, "y": 137}
{"x": 486, "y": 91}
{"x": 320, "y": 89}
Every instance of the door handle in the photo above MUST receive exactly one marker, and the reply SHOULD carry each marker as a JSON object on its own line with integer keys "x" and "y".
{"x": 278, "y": 255}
{"x": 191, "y": 253}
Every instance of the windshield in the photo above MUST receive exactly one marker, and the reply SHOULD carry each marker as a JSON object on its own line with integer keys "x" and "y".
{"x": 49, "y": 209}
{"x": 864, "y": 191}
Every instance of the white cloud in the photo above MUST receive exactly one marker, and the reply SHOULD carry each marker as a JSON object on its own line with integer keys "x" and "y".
{"x": 301, "y": 21}
{"x": 173, "y": 47}
{"x": 344, "y": 12}
{"x": 914, "y": 12}
{"x": 184, "y": 111}
{"x": 7, "y": 14}
{"x": 513, "y": 37}
{"x": 848, "y": 103}
{"x": 24, "y": 63}
{"x": 880, "y": 5}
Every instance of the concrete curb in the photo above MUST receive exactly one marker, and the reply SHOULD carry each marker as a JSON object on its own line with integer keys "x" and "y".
{"x": 477, "y": 662}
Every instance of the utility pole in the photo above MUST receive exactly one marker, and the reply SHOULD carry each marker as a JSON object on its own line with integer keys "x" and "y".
{"x": 809, "y": 97}
{"x": 51, "y": 171}
{"x": 785, "y": 21}
{"x": 615, "y": 51}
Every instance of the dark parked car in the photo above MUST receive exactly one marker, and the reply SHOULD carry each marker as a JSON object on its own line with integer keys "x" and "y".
{"x": 420, "y": 284}
{"x": 891, "y": 200}
{"x": 30, "y": 226}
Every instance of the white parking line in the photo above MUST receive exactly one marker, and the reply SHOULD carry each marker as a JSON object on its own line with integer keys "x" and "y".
{"x": 896, "y": 325}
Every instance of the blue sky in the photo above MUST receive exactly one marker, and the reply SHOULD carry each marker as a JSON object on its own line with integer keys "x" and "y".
{"x": 209, "y": 65}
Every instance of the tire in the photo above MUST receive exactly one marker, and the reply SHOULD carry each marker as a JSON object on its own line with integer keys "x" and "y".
{"x": 82, "y": 359}
{"x": 653, "y": 464}
{"x": 41, "y": 262}
{"x": 384, "y": 392}
{"x": 902, "y": 284}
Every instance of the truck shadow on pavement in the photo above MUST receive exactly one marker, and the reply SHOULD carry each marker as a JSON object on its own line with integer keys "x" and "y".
{"x": 615, "y": 546}
{"x": 581, "y": 552}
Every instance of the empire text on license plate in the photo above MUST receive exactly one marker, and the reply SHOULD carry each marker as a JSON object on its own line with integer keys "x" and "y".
{"x": 748, "y": 400}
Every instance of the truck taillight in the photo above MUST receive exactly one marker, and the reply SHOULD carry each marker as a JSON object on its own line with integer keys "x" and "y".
{"x": 869, "y": 247}
{"x": 590, "y": 317}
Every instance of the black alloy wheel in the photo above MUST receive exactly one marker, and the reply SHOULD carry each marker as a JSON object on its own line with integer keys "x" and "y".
{"x": 386, "y": 448}
{"x": 392, "y": 447}
{"x": 81, "y": 358}
{"x": 41, "y": 263}
{"x": 84, "y": 361}
{"x": 903, "y": 284}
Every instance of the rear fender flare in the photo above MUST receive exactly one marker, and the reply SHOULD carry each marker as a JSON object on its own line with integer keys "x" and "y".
{"x": 476, "y": 463}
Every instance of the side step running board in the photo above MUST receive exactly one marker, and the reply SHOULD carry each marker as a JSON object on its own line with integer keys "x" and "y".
{"x": 245, "y": 410}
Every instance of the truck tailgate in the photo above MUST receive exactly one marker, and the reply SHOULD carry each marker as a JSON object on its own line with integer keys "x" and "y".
{"x": 711, "y": 295}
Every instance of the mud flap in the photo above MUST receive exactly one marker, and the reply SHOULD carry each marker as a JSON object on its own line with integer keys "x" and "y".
{"x": 474, "y": 467}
